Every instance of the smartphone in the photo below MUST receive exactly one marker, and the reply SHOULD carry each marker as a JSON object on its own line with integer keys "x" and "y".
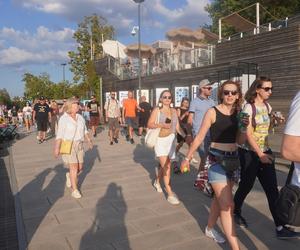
{"x": 168, "y": 120}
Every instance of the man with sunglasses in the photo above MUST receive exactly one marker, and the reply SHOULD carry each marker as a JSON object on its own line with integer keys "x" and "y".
{"x": 197, "y": 110}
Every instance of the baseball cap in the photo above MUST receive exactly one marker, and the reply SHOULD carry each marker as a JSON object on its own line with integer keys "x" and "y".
{"x": 42, "y": 98}
{"x": 203, "y": 83}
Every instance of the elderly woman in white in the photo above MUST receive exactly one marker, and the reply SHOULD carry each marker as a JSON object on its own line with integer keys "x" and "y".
{"x": 71, "y": 127}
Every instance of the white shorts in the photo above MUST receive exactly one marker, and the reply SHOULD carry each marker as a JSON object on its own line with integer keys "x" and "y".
{"x": 166, "y": 146}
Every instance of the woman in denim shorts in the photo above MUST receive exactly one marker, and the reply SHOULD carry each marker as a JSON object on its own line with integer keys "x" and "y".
{"x": 222, "y": 122}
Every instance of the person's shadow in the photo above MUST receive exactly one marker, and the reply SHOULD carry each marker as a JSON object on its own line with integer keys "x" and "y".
{"x": 34, "y": 192}
{"x": 90, "y": 158}
{"x": 109, "y": 223}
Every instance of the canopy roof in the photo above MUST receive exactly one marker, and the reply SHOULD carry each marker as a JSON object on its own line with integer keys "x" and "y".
{"x": 238, "y": 22}
{"x": 189, "y": 35}
{"x": 114, "y": 49}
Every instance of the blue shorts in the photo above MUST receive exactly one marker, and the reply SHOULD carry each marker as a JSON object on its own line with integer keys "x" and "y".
{"x": 130, "y": 121}
{"x": 216, "y": 172}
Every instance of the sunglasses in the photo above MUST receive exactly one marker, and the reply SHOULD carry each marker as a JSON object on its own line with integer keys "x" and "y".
{"x": 267, "y": 89}
{"x": 167, "y": 97}
{"x": 227, "y": 92}
{"x": 208, "y": 88}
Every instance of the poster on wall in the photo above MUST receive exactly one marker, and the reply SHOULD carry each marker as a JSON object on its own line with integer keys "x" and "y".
{"x": 214, "y": 92}
{"x": 145, "y": 92}
{"x": 158, "y": 92}
{"x": 180, "y": 92}
{"x": 195, "y": 91}
{"x": 122, "y": 95}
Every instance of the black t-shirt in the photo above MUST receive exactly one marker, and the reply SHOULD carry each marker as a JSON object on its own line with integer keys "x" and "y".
{"x": 14, "y": 112}
{"x": 93, "y": 105}
{"x": 41, "y": 111}
{"x": 147, "y": 109}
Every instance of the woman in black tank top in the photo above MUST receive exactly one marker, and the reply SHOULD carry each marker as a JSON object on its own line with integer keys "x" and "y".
{"x": 222, "y": 122}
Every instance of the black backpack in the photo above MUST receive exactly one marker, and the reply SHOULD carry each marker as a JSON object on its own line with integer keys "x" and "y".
{"x": 288, "y": 202}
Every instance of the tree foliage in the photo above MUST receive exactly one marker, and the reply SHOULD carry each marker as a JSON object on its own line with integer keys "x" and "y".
{"x": 89, "y": 37}
{"x": 278, "y": 8}
{"x": 36, "y": 86}
{"x": 4, "y": 97}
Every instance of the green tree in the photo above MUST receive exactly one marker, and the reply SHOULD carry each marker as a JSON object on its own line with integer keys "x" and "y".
{"x": 36, "y": 86}
{"x": 277, "y": 8}
{"x": 89, "y": 36}
{"x": 4, "y": 97}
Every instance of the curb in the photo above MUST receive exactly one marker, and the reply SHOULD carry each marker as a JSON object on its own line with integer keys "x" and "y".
{"x": 22, "y": 240}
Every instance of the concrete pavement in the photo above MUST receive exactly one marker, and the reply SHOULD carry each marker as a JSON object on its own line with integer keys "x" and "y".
{"x": 119, "y": 208}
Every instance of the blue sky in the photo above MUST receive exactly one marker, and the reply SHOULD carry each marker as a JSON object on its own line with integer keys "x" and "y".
{"x": 35, "y": 35}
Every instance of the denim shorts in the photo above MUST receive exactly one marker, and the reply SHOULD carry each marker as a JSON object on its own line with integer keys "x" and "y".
{"x": 216, "y": 172}
{"x": 130, "y": 121}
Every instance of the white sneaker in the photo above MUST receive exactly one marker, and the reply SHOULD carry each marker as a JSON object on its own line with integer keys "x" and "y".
{"x": 213, "y": 234}
{"x": 76, "y": 194}
{"x": 68, "y": 181}
{"x": 194, "y": 161}
{"x": 157, "y": 187}
{"x": 172, "y": 199}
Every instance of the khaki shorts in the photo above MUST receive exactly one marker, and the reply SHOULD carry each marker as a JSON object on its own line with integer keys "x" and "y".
{"x": 113, "y": 123}
{"x": 76, "y": 155}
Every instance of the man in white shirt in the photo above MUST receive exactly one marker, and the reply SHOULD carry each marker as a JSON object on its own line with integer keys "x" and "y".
{"x": 113, "y": 117}
{"x": 291, "y": 140}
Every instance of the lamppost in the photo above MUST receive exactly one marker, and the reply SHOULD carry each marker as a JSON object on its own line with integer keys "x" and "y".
{"x": 64, "y": 91}
{"x": 139, "y": 43}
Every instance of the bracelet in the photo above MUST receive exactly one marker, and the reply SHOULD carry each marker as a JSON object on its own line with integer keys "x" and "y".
{"x": 187, "y": 159}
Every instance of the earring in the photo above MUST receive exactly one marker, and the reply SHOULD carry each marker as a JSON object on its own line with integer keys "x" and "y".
{"x": 159, "y": 104}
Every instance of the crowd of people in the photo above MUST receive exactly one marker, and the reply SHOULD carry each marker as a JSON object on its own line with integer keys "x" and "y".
{"x": 231, "y": 138}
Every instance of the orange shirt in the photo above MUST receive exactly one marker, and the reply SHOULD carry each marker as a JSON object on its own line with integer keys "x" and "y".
{"x": 130, "y": 107}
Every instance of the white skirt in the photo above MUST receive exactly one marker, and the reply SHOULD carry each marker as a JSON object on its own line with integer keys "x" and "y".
{"x": 166, "y": 146}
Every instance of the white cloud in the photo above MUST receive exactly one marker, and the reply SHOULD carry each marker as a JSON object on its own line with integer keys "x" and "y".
{"x": 122, "y": 14}
{"x": 45, "y": 46}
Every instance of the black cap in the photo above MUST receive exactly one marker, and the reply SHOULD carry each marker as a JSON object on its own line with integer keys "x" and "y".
{"x": 42, "y": 98}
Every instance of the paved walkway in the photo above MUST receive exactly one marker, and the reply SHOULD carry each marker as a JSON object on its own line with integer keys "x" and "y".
{"x": 119, "y": 208}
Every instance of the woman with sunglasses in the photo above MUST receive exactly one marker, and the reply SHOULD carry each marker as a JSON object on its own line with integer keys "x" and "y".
{"x": 71, "y": 127}
{"x": 165, "y": 118}
{"x": 222, "y": 123}
{"x": 256, "y": 157}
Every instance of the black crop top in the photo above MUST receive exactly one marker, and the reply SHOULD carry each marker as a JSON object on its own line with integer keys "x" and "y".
{"x": 225, "y": 129}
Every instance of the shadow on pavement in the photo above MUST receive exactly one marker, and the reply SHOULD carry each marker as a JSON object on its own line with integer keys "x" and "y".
{"x": 109, "y": 223}
{"x": 90, "y": 158}
{"x": 8, "y": 227}
{"x": 37, "y": 201}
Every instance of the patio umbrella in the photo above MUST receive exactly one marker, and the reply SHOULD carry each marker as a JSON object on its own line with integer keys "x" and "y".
{"x": 146, "y": 50}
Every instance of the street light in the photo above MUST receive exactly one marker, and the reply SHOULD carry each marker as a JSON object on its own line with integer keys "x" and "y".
{"x": 139, "y": 42}
{"x": 64, "y": 64}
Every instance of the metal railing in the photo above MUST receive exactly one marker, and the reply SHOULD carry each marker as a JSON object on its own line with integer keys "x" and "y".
{"x": 162, "y": 62}
{"x": 275, "y": 25}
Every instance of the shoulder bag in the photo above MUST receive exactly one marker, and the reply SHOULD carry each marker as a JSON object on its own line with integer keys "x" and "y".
{"x": 152, "y": 134}
{"x": 66, "y": 145}
{"x": 288, "y": 203}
